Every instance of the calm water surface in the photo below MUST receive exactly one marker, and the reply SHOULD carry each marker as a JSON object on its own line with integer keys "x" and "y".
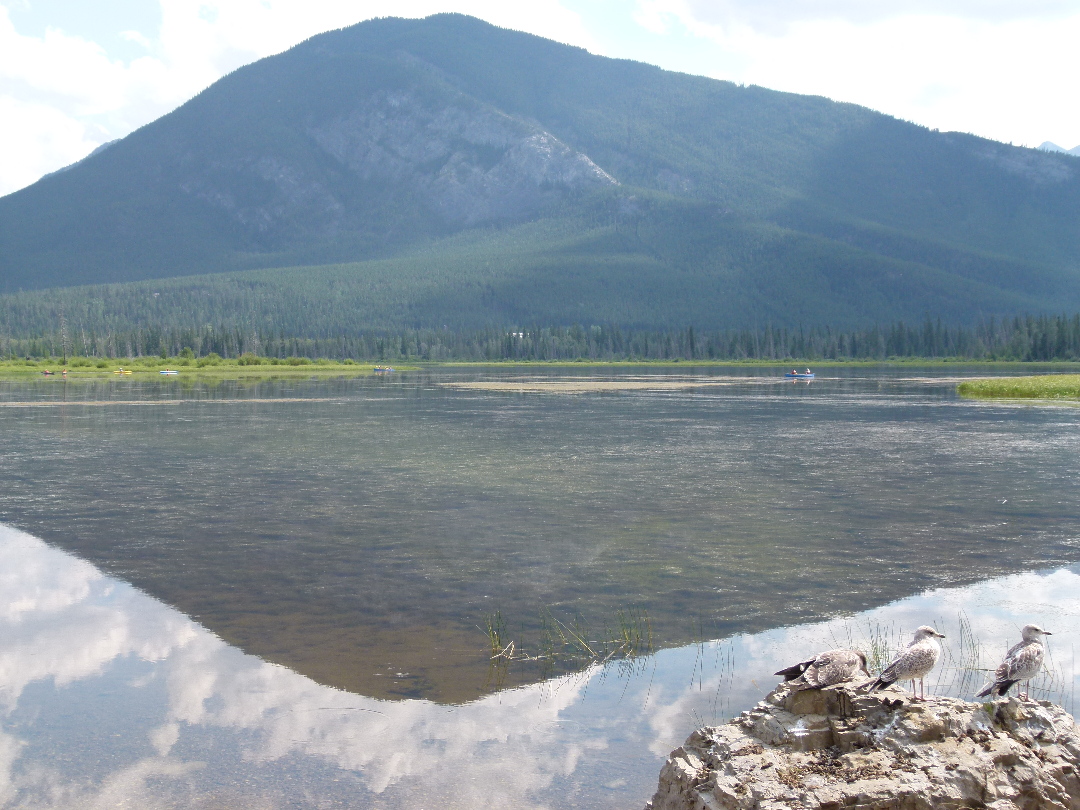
{"x": 342, "y": 543}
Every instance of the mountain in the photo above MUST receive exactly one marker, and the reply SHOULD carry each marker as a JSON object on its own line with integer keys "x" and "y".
{"x": 1050, "y": 146}
{"x": 447, "y": 172}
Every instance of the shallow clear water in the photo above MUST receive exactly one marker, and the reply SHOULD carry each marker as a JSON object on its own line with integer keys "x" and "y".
{"x": 362, "y": 532}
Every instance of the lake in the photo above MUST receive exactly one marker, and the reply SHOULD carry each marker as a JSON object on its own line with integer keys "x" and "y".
{"x": 279, "y": 593}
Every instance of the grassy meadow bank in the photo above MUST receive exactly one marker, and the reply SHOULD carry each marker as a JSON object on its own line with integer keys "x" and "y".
{"x": 244, "y": 366}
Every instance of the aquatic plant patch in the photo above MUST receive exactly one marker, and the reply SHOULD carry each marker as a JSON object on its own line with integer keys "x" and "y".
{"x": 1048, "y": 386}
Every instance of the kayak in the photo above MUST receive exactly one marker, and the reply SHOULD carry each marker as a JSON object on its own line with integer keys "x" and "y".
{"x": 168, "y": 371}
{"x": 800, "y": 376}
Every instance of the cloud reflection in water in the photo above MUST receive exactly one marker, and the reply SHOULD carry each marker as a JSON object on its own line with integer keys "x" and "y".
{"x": 113, "y": 699}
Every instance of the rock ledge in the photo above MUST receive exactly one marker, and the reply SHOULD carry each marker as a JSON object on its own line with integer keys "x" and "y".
{"x": 839, "y": 748}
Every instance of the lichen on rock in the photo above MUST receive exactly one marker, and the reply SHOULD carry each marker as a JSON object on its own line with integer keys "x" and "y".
{"x": 839, "y": 748}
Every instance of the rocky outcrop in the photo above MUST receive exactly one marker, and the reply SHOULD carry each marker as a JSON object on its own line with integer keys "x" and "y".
{"x": 461, "y": 161}
{"x": 842, "y": 748}
{"x": 465, "y": 160}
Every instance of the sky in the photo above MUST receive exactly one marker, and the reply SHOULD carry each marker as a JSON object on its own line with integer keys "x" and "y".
{"x": 75, "y": 74}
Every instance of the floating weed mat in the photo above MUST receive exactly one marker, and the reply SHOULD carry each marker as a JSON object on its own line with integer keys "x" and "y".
{"x": 569, "y": 642}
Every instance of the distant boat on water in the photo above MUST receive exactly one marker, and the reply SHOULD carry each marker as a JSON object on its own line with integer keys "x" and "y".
{"x": 383, "y": 369}
{"x": 122, "y": 370}
{"x": 168, "y": 371}
{"x": 800, "y": 375}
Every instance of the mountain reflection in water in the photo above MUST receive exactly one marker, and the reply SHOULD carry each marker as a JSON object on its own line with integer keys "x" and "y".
{"x": 113, "y": 699}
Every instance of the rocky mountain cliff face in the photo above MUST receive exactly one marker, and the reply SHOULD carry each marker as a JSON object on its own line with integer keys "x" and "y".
{"x": 465, "y": 161}
{"x": 461, "y": 161}
{"x": 838, "y": 747}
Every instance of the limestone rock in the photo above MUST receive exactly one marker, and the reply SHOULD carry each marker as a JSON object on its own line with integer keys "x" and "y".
{"x": 840, "y": 748}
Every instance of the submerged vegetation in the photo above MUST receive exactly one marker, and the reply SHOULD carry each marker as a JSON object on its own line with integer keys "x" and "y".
{"x": 1046, "y": 386}
{"x": 569, "y": 643}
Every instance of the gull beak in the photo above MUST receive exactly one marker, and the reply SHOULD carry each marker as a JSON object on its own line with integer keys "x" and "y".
{"x": 940, "y": 635}
{"x": 1047, "y": 633}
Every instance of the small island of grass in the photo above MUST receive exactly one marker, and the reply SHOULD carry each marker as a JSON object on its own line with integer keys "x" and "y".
{"x": 1044, "y": 386}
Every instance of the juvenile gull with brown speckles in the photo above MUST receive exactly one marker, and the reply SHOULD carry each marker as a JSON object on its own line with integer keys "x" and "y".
{"x": 914, "y": 663}
{"x": 1022, "y": 663}
{"x": 827, "y": 669}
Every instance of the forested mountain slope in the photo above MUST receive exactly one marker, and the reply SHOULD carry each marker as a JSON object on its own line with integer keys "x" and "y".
{"x": 485, "y": 176}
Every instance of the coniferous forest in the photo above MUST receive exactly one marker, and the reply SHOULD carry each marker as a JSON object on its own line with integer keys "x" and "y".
{"x": 1030, "y": 338}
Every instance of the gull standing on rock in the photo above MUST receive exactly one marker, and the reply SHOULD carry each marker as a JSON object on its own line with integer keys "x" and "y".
{"x": 1022, "y": 663}
{"x": 914, "y": 663}
{"x": 827, "y": 668}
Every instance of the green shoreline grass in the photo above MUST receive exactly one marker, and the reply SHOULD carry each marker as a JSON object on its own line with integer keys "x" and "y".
{"x": 1043, "y": 386}
{"x": 141, "y": 367}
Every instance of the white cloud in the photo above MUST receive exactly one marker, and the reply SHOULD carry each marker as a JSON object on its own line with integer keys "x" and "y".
{"x": 777, "y": 15}
{"x": 135, "y": 36}
{"x": 999, "y": 70}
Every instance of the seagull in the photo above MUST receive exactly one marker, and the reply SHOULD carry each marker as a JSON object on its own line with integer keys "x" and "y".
{"x": 827, "y": 668}
{"x": 1022, "y": 663}
{"x": 914, "y": 663}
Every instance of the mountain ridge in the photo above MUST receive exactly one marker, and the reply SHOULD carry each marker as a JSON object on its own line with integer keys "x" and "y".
{"x": 1050, "y": 146}
{"x": 372, "y": 142}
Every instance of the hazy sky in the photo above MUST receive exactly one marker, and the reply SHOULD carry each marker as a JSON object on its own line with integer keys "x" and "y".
{"x": 77, "y": 73}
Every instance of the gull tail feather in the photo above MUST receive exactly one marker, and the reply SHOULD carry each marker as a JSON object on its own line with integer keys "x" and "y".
{"x": 998, "y": 688}
{"x": 793, "y": 672}
{"x": 881, "y": 683}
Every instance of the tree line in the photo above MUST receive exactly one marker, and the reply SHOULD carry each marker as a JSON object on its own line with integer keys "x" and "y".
{"x": 1023, "y": 338}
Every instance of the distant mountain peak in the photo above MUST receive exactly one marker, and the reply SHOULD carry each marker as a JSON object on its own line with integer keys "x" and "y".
{"x": 1050, "y": 146}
